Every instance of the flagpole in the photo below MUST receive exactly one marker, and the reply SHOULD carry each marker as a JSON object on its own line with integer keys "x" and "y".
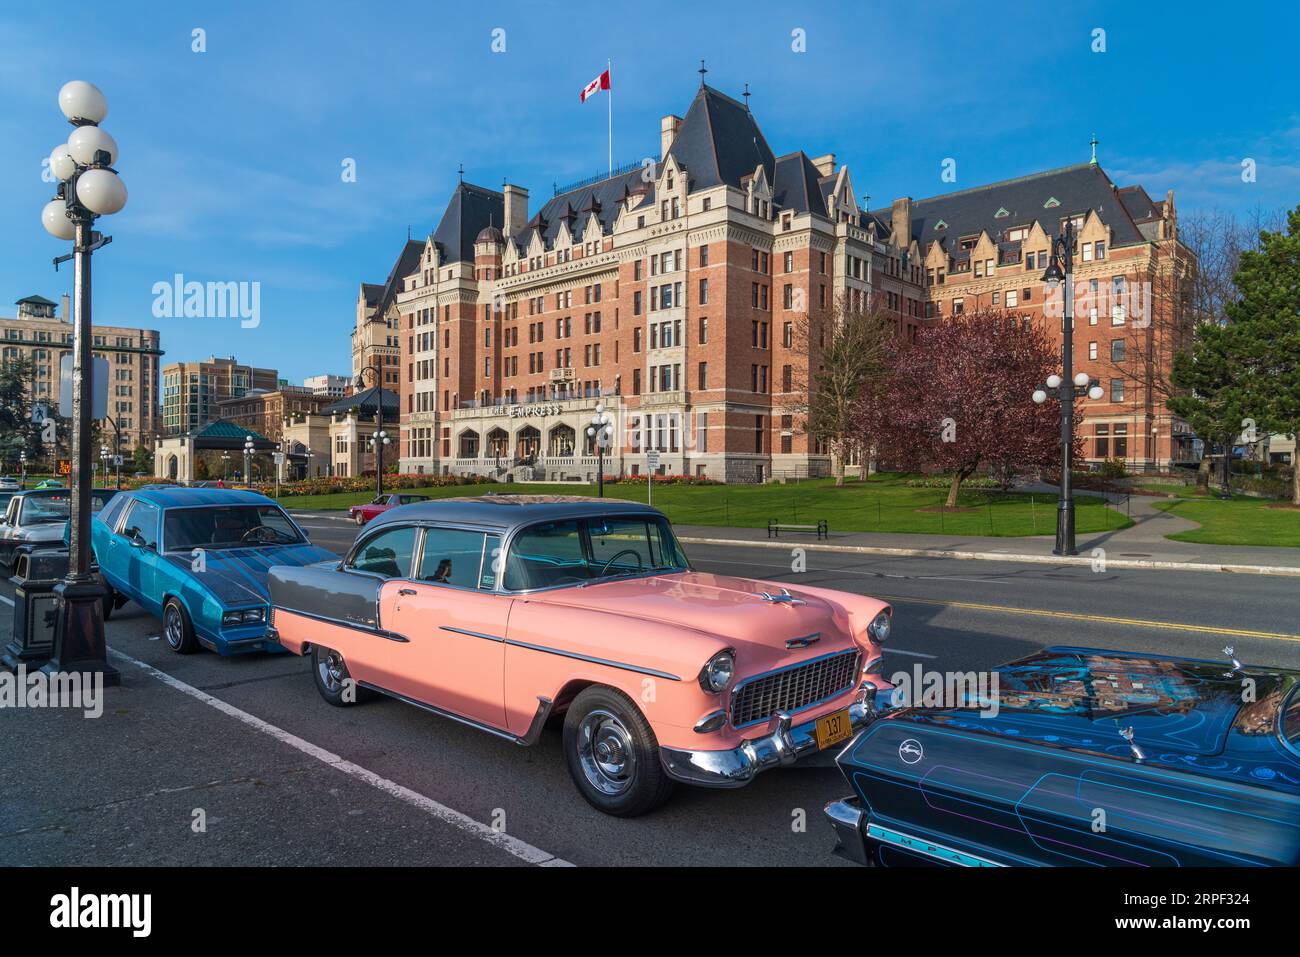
{"x": 609, "y": 68}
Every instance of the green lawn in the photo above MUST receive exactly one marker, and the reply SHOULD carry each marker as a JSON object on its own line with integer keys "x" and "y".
{"x": 882, "y": 504}
{"x": 1241, "y": 521}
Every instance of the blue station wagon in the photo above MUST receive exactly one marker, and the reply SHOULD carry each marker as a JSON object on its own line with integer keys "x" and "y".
{"x": 198, "y": 559}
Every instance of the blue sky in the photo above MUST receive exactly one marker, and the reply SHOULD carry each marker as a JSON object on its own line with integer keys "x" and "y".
{"x": 233, "y": 156}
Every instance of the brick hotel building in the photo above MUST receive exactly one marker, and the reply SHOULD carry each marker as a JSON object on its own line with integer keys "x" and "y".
{"x": 673, "y": 293}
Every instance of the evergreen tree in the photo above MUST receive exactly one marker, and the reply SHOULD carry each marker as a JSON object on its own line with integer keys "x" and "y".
{"x": 1265, "y": 322}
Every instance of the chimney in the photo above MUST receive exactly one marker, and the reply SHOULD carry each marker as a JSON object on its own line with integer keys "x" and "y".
{"x": 668, "y": 128}
{"x": 825, "y": 164}
{"x": 516, "y": 209}
{"x": 67, "y": 317}
{"x": 901, "y": 222}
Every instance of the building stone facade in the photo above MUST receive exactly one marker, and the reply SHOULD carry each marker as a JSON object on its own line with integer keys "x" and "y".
{"x": 193, "y": 391}
{"x": 670, "y": 292}
{"x": 41, "y": 333}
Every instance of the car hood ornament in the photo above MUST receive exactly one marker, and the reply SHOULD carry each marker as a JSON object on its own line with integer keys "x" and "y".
{"x": 784, "y": 598}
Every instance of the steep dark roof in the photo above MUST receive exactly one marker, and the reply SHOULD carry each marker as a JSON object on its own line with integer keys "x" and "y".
{"x": 372, "y": 291}
{"x": 1138, "y": 203}
{"x": 365, "y": 403}
{"x": 471, "y": 210}
{"x": 604, "y": 198}
{"x": 35, "y": 301}
{"x": 798, "y": 186}
{"x": 405, "y": 265}
{"x": 719, "y": 142}
{"x": 1075, "y": 188}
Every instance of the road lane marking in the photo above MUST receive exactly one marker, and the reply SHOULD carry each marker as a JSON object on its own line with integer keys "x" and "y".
{"x": 854, "y": 571}
{"x": 511, "y": 845}
{"x": 890, "y": 650}
{"x": 1040, "y": 612}
{"x": 7, "y": 601}
{"x": 1099, "y": 619}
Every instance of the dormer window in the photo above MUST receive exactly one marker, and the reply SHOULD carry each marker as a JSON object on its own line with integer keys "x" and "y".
{"x": 1051, "y": 203}
{"x": 1001, "y": 213}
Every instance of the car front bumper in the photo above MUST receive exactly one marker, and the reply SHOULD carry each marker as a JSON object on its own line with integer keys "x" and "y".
{"x": 784, "y": 745}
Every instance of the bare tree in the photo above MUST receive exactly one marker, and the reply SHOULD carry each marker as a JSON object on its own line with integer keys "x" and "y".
{"x": 845, "y": 350}
{"x": 1191, "y": 281}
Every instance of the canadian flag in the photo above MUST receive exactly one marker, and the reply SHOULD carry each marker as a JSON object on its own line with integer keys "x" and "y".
{"x": 600, "y": 83}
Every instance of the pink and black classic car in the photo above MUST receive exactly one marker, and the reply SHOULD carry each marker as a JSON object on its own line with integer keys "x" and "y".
{"x": 502, "y": 612}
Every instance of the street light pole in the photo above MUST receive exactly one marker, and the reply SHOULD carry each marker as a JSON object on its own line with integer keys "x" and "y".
{"x": 600, "y": 431}
{"x": 379, "y": 438}
{"x": 89, "y": 187}
{"x": 1066, "y": 387}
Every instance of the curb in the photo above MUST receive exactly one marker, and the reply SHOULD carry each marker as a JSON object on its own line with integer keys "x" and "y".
{"x": 1279, "y": 570}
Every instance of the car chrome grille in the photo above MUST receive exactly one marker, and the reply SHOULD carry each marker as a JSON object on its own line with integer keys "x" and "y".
{"x": 793, "y": 688}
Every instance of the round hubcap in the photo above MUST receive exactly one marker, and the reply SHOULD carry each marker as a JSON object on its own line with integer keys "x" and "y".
{"x": 174, "y": 627}
{"x": 605, "y": 752}
{"x": 332, "y": 671}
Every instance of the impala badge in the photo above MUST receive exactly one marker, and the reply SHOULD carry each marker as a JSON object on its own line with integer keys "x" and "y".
{"x": 803, "y": 642}
{"x": 911, "y": 751}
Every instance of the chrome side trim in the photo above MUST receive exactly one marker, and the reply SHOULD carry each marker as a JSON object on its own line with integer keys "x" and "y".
{"x": 527, "y": 739}
{"x": 458, "y": 718}
{"x": 598, "y": 661}
{"x": 472, "y": 634}
{"x": 926, "y": 848}
{"x": 365, "y": 629}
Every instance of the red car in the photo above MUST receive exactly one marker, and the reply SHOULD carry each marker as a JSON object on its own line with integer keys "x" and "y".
{"x": 364, "y": 513}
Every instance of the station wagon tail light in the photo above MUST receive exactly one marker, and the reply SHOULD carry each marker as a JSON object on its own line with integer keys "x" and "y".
{"x": 878, "y": 630}
{"x": 718, "y": 672}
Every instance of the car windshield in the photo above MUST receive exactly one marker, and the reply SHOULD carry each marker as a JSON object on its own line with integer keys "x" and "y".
{"x": 45, "y": 508}
{"x": 228, "y": 526}
{"x": 579, "y": 551}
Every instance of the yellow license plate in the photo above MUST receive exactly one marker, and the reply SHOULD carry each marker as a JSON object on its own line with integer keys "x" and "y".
{"x": 833, "y": 728}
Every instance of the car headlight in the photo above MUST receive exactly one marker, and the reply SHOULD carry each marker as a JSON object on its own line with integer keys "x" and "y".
{"x": 718, "y": 672}
{"x": 248, "y": 616}
{"x": 878, "y": 630}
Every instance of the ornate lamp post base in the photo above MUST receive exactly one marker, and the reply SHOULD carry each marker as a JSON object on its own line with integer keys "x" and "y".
{"x": 79, "y": 638}
{"x": 1065, "y": 528}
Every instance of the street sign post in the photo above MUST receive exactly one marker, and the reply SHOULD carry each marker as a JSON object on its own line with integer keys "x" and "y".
{"x": 98, "y": 387}
{"x": 651, "y": 465}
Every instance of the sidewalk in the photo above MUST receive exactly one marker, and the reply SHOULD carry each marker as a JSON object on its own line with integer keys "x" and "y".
{"x": 1141, "y": 546}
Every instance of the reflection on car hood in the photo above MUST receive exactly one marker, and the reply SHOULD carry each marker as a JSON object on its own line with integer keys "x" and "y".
{"x": 733, "y": 609}
{"x": 237, "y": 576}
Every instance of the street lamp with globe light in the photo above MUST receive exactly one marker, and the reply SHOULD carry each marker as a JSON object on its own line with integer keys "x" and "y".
{"x": 248, "y": 460}
{"x": 1060, "y": 275}
{"x": 88, "y": 188}
{"x": 601, "y": 433}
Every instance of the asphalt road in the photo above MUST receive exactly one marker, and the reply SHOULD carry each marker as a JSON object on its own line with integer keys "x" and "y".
{"x": 394, "y": 784}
